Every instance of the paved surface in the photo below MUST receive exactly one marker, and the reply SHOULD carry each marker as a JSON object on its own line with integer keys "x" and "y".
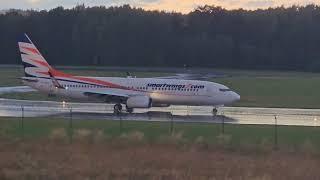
{"x": 235, "y": 115}
{"x": 16, "y": 89}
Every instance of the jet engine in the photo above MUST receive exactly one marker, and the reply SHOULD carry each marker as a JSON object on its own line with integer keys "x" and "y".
{"x": 160, "y": 105}
{"x": 139, "y": 102}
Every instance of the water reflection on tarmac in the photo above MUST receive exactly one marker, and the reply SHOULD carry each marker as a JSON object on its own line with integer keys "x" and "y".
{"x": 235, "y": 115}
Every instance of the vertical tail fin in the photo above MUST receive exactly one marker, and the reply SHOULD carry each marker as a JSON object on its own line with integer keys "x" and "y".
{"x": 34, "y": 63}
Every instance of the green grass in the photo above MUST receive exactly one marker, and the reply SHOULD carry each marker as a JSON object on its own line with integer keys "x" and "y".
{"x": 10, "y": 76}
{"x": 292, "y": 92}
{"x": 235, "y": 135}
{"x": 104, "y": 73}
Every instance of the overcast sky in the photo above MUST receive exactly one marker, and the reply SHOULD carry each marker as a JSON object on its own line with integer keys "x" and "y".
{"x": 168, "y": 5}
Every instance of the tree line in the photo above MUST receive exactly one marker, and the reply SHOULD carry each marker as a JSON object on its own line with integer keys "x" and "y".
{"x": 275, "y": 38}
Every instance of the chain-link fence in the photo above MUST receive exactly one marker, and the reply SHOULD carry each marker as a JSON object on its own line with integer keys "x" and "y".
{"x": 232, "y": 126}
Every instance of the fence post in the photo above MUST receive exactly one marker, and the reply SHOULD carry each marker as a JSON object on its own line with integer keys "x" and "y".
{"x": 70, "y": 126}
{"x": 188, "y": 111}
{"x": 171, "y": 123}
{"x": 275, "y": 132}
{"x": 22, "y": 121}
{"x": 120, "y": 123}
{"x": 222, "y": 123}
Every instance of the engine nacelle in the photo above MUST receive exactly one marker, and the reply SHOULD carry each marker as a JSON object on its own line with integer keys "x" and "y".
{"x": 160, "y": 105}
{"x": 139, "y": 102}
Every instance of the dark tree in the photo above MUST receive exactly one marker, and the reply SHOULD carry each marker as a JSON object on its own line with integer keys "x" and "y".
{"x": 210, "y": 36}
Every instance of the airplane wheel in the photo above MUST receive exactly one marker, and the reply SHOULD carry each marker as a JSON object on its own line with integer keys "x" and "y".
{"x": 117, "y": 108}
{"x": 129, "y": 110}
{"x": 214, "y": 111}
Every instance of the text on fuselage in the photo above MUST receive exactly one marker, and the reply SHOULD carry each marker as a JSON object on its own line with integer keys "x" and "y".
{"x": 178, "y": 86}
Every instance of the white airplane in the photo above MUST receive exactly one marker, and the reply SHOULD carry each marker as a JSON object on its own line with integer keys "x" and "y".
{"x": 132, "y": 92}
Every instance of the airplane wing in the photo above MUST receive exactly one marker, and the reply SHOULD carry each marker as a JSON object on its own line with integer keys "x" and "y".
{"x": 107, "y": 96}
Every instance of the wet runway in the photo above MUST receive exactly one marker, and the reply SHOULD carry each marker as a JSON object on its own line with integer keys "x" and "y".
{"x": 16, "y": 89}
{"x": 234, "y": 115}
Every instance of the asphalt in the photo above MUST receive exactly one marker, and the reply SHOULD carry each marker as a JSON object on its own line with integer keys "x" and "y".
{"x": 16, "y": 89}
{"x": 186, "y": 114}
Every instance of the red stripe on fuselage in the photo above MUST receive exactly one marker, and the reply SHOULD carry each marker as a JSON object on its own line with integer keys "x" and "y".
{"x": 85, "y": 79}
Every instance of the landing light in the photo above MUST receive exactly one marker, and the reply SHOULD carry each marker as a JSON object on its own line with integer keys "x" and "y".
{"x": 63, "y": 104}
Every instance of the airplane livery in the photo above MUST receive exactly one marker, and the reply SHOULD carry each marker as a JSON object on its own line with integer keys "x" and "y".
{"x": 131, "y": 92}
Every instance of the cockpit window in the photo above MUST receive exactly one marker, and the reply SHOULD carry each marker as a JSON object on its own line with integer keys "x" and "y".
{"x": 225, "y": 90}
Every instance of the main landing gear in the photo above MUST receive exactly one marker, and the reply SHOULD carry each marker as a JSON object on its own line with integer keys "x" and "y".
{"x": 214, "y": 111}
{"x": 117, "y": 109}
{"x": 129, "y": 110}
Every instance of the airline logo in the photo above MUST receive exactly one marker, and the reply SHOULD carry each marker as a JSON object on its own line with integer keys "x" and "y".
{"x": 34, "y": 62}
{"x": 177, "y": 86}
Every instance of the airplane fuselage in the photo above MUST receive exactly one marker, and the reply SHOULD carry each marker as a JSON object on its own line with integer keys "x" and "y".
{"x": 162, "y": 91}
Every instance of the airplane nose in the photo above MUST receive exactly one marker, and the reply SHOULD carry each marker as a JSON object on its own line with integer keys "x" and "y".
{"x": 235, "y": 97}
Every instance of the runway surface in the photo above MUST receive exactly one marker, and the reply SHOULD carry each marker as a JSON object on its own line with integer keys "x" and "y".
{"x": 191, "y": 114}
{"x": 16, "y": 89}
